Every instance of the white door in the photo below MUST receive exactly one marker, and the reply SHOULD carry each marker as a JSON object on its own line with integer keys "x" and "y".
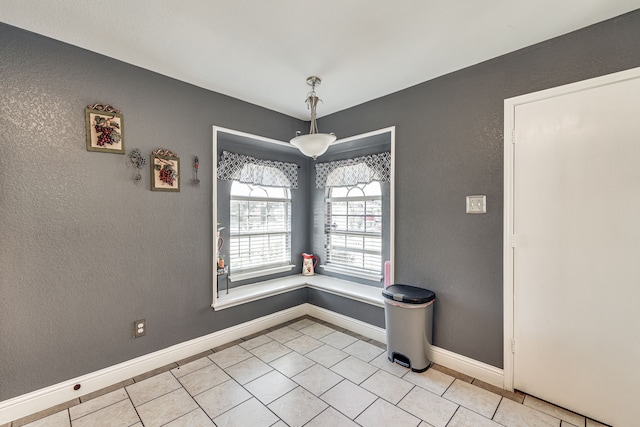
{"x": 576, "y": 257}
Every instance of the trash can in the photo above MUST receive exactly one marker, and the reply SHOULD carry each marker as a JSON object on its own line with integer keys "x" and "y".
{"x": 408, "y": 314}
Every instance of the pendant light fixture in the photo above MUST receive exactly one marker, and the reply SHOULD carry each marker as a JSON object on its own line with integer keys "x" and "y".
{"x": 314, "y": 144}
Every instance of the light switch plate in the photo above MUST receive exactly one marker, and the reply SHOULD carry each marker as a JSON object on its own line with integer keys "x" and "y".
{"x": 476, "y": 204}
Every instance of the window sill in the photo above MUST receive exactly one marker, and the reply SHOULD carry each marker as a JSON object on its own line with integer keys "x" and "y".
{"x": 256, "y": 291}
{"x": 259, "y": 273}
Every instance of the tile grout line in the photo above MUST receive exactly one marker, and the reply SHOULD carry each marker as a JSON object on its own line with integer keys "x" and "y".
{"x": 498, "y": 406}
{"x": 235, "y": 406}
{"x": 406, "y": 394}
{"x": 365, "y": 409}
{"x": 469, "y": 409}
{"x": 447, "y": 389}
{"x": 187, "y": 391}
{"x": 180, "y": 416}
{"x": 101, "y": 408}
{"x": 453, "y": 415}
{"x": 135, "y": 408}
{"x": 318, "y": 414}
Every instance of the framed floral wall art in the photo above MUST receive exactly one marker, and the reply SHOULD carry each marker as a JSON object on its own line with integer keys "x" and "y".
{"x": 165, "y": 171}
{"x": 105, "y": 129}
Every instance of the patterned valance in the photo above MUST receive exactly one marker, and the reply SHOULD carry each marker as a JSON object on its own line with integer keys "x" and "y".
{"x": 249, "y": 170}
{"x": 360, "y": 170}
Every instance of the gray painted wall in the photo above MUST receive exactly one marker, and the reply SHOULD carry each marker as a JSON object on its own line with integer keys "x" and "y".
{"x": 449, "y": 144}
{"x": 84, "y": 251}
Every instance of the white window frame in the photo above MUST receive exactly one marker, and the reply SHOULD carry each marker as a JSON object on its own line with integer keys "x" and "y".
{"x": 344, "y": 268}
{"x": 250, "y": 293}
{"x": 235, "y": 233}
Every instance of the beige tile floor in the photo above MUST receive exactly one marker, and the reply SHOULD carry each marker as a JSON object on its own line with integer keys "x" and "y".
{"x": 303, "y": 373}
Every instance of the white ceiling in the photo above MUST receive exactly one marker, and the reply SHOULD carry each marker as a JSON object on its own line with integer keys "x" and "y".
{"x": 262, "y": 51}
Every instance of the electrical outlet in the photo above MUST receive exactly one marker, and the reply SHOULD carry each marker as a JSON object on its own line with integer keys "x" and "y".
{"x": 476, "y": 204}
{"x": 139, "y": 328}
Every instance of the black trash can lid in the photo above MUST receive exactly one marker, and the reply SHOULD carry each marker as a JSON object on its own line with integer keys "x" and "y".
{"x": 408, "y": 294}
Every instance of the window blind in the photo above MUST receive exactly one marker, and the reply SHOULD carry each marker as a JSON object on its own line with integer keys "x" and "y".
{"x": 353, "y": 237}
{"x": 259, "y": 228}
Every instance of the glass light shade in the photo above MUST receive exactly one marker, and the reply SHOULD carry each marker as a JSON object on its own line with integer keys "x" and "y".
{"x": 313, "y": 144}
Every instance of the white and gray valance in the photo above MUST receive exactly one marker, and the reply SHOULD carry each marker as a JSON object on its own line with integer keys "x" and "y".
{"x": 359, "y": 170}
{"x": 249, "y": 170}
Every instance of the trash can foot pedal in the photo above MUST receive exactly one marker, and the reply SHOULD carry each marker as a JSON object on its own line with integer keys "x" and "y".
{"x": 401, "y": 360}
{"x": 404, "y": 361}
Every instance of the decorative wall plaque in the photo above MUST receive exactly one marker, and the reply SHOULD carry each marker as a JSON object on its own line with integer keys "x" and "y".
{"x": 105, "y": 129}
{"x": 165, "y": 171}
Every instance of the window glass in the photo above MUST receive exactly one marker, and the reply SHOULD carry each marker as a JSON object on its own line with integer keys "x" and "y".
{"x": 259, "y": 227}
{"x": 353, "y": 236}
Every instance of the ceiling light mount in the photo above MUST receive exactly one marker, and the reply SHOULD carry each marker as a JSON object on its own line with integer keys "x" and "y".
{"x": 314, "y": 144}
{"x": 314, "y": 81}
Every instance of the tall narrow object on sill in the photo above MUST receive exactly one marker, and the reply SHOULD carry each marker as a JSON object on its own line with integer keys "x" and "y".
{"x": 219, "y": 244}
{"x": 220, "y": 240}
{"x": 387, "y": 273}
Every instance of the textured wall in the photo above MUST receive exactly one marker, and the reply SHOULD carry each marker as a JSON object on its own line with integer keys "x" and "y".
{"x": 84, "y": 251}
{"x": 449, "y": 145}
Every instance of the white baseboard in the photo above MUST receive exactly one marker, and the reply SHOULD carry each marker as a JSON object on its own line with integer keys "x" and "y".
{"x": 346, "y": 322}
{"x": 56, "y": 394}
{"x": 473, "y": 368}
{"x": 457, "y": 362}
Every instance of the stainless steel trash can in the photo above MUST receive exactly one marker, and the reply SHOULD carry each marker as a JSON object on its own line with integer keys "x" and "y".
{"x": 408, "y": 314}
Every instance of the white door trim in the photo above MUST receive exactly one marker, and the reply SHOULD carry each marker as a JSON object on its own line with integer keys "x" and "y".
{"x": 509, "y": 240}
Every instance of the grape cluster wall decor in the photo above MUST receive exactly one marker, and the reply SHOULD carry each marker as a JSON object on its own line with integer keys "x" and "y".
{"x": 105, "y": 129}
{"x": 165, "y": 171}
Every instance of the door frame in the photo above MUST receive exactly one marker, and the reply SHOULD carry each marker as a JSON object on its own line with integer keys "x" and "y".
{"x": 509, "y": 238}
